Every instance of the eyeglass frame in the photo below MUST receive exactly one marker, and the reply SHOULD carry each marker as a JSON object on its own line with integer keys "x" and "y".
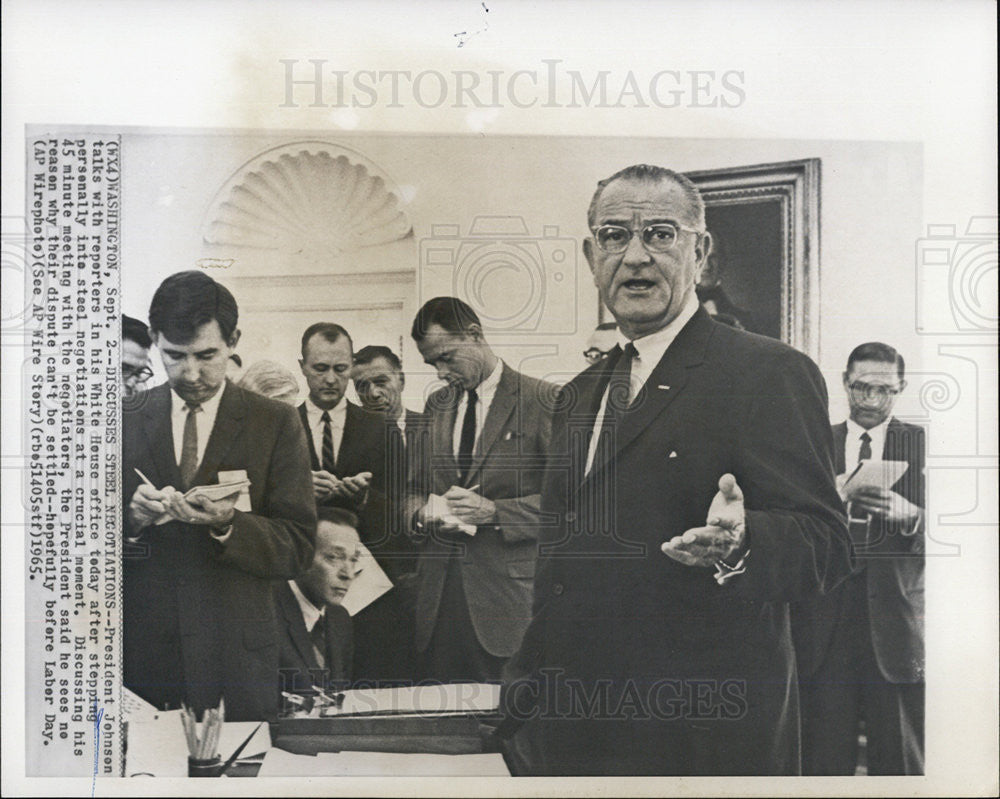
{"x": 632, "y": 233}
{"x": 140, "y": 374}
{"x": 873, "y": 390}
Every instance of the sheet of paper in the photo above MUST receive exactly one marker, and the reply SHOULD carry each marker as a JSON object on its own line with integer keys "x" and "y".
{"x": 876, "y": 474}
{"x": 438, "y": 508}
{"x": 421, "y": 699}
{"x": 279, "y": 763}
{"x": 371, "y": 583}
{"x": 216, "y": 492}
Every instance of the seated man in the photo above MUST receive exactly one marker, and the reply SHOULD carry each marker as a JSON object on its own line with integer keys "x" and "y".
{"x": 317, "y": 643}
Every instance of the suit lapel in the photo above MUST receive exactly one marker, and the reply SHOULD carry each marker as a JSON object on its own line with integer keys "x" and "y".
{"x": 665, "y": 383}
{"x": 335, "y": 665}
{"x": 159, "y": 434}
{"x": 228, "y": 423}
{"x": 351, "y": 441}
{"x": 839, "y": 446}
{"x": 502, "y": 406}
{"x": 292, "y": 614}
{"x": 444, "y": 452}
{"x": 313, "y": 458}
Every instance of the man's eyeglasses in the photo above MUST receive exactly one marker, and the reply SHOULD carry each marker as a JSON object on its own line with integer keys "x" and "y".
{"x": 140, "y": 374}
{"x": 660, "y": 237}
{"x": 594, "y": 355}
{"x": 872, "y": 391}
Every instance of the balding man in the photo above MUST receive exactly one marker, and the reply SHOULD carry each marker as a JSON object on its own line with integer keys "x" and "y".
{"x": 691, "y": 492}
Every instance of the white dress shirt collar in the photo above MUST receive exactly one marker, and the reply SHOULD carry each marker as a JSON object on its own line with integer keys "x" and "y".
{"x": 852, "y": 445}
{"x": 338, "y": 414}
{"x": 651, "y": 348}
{"x": 204, "y": 421}
{"x": 310, "y": 613}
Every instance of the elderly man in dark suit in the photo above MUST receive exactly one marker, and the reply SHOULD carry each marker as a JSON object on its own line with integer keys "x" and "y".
{"x": 317, "y": 642}
{"x": 691, "y": 495}
{"x": 861, "y": 649}
{"x": 199, "y": 615}
{"x": 475, "y": 499}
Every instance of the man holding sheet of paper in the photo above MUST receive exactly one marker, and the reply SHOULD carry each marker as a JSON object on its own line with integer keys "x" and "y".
{"x": 199, "y": 614}
{"x": 861, "y": 649}
{"x": 475, "y": 500}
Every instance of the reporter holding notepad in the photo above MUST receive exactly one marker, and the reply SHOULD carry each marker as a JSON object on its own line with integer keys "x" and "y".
{"x": 861, "y": 648}
{"x": 198, "y": 610}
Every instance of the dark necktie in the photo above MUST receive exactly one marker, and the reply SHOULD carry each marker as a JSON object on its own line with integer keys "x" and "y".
{"x": 318, "y": 638}
{"x": 859, "y": 522}
{"x": 329, "y": 462}
{"x": 619, "y": 396}
{"x": 468, "y": 438}
{"x": 189, "y": 446}
{"x": 865, "y": 452}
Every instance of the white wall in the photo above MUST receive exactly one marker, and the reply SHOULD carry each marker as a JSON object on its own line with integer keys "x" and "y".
{"x": 870, "y": 217}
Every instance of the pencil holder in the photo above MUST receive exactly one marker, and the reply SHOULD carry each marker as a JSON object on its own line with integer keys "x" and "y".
{"x": 208, "y": 767}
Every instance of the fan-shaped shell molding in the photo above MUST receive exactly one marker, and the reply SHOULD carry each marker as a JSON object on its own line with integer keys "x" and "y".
{"x": 305, "y": 201}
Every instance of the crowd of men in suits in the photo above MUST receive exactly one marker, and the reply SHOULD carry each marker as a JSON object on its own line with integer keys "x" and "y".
{"x": 658, "y": 560}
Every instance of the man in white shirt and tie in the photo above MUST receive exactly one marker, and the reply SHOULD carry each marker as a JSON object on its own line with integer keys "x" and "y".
{"x": 861, "y": 648}
{"x": 474, "y": 502}
{"x": 199, "y": 618}
{"x": 317, "y": 644}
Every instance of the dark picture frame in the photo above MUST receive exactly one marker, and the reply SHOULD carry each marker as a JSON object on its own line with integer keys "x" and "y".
{"x": 764, "y": 274}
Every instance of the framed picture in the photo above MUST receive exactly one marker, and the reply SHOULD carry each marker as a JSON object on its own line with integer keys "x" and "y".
{"x": 763, "y": 271}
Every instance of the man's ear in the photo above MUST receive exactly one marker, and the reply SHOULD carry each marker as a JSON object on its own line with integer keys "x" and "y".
{"x": 702, "y": 250}
{"x": 846, "y": 379}
{"x": 475, "y": 332}
{"x": 902, "y": 385}
{"x": 234, "y": 339}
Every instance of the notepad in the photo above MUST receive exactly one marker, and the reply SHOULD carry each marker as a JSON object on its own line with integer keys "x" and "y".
{"x": 438, "y": 508}
{"x": 214, "y": 492}
{"x": 875, "y": 474}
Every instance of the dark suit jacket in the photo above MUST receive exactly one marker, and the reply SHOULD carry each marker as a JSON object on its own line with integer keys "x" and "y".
{"x": 299, "y": 669}
{"x": 199, "y": 618}
{"x": 384, "y": 629}
{"x": 893, "y": 562}
{"x": 617, "y": 623}
{"x": 497, "y": 563}
{"x": 362, "y": 449}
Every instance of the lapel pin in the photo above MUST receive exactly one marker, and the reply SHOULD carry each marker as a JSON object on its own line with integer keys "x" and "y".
{"x": 673, "y": 454}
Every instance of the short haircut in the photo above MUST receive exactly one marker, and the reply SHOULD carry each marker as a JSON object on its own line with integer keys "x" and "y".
{"x": 328, "y": 330}
{"x": 269, "y": 379}
{"x": 877, "y": 351}
{"x": 607, "y": 326}
{"x": 335, "y": 515}
{"x": 186, "y": 301}
{"x": 652, "y": 174}
{"x": 134, "y": 330}
{"x": 373, "y": 351}
{"x": 449, "y": 313}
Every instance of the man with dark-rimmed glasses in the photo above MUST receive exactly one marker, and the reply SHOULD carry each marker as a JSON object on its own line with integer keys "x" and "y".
{"x": 689, "y": 496}
{"x": 861, "y": 649}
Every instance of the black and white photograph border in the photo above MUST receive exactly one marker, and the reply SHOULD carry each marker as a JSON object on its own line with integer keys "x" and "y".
{"x": 876, "y": 228}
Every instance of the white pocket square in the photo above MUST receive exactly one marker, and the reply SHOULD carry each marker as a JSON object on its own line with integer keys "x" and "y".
{"x": 673, "y": 454}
